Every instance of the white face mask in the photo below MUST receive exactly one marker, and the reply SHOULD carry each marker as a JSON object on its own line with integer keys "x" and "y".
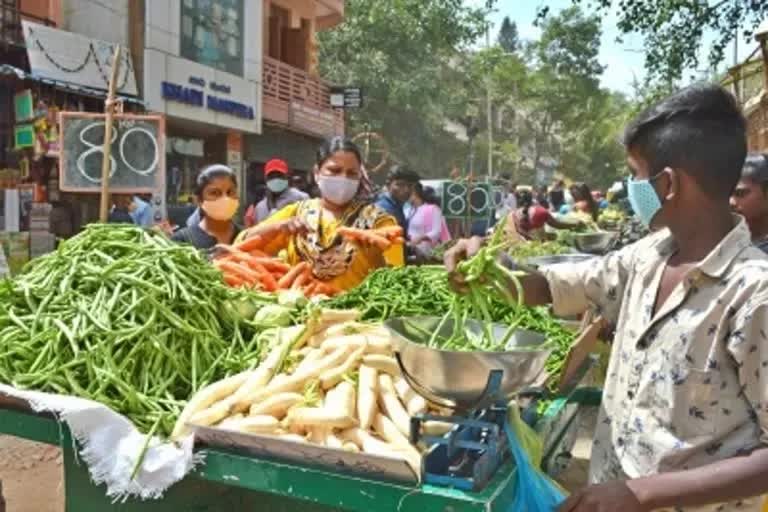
{"x": 337, "y": 189}
{"x": 277, "y": 185}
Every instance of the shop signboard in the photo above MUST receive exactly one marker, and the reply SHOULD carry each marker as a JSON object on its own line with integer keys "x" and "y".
{"x": 137, "y": 154}
{"x": 463, "y": 199}
{"x": 73, "y": 58}
{"x": 346, "y": 97}
{"x": 22, "y": 106}
{"x": 181, "y": 88}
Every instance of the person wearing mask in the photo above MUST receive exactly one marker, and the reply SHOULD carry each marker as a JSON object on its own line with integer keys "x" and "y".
{"x": 279, "y": 193}
{"x": 216, "y": 193}
{"x": 750, "y": 198}
{"x": 683, "y": 422}
{"x": 426, "y": 224}
{"x": 399, "y": 187}
{"x": 528, "y": 221}
{"x": 307, "y": 230}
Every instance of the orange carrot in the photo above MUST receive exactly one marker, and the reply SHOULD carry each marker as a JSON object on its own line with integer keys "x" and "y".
{"x": 273, "y": 264}
{"x": 250, "y": 244}
{"x": 389, "y": 231}
{"x": 287, "y": 280}
{"x": 326, "y": 289}
{"x": 309, "y": 290}
{"x": 242, "y": 271}
{"x": 302, "y": 279}
{"x": 267, "y": 279}
{"x": 366, "y": 236}
{"x": 233, "y": 280}
{"x": 258, "y": 254}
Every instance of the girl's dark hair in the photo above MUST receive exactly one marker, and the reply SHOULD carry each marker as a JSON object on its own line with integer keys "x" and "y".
{"x": 581, "y": 192}
{"x": 525, "y": 201}
{"x": 426, "y": 194}
{"x": 756, "y": 169}
{"x": 334, "y": 144}
{"x": 211, "y": 172}
{"x": 556, "y": 198}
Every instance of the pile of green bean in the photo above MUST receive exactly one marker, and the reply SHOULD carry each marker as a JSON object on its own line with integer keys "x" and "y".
{"x": 424, "y": 291}
{"x": 122, "y": 316}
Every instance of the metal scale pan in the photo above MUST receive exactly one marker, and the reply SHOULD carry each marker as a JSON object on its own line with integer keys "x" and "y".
{"x": 462, "y": 380}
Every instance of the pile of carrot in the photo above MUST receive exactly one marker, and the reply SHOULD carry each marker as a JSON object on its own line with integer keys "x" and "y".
{"x": 383, "y": 238}
{"x": 246, "y": 265}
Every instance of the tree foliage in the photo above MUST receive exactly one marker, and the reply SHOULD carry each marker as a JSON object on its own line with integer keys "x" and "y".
{"x": 674, "y": 30}
{"x": 508, "y": 39}
{"x": 399, "y": 52}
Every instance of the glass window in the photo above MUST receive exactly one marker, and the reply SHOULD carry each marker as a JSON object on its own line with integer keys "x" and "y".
{"x": 212, "y": 33}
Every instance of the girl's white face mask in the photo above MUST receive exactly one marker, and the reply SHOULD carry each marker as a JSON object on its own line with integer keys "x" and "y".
{"x": 338, "y": 189}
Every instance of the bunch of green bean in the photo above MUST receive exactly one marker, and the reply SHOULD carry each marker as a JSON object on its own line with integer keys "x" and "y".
{"x": 122, "y": 316}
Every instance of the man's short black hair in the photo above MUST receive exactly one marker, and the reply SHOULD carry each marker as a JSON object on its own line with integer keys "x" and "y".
{"x": 756, "y": 169}
{"x": 700, "y": 130}
{"x": 401, "y": 172}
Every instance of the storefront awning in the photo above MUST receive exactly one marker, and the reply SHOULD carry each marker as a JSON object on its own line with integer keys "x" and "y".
{"x": 8, "y": 70}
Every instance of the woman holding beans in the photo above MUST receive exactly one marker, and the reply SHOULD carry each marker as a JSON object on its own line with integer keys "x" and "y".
{"x": 338, "y": 235}
{"x": 216, "y": 192}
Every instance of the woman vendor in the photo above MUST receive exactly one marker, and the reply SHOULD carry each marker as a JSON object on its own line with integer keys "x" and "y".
{"x": 528, "y": 221}
{"x": 216, "y": 192}
{"x": 307, "y": 230}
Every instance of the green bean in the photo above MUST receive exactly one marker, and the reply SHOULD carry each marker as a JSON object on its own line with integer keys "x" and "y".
{"x": 120, "y": 315}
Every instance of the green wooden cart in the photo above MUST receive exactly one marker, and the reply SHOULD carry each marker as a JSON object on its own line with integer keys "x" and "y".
{"x": 231, "y": 482}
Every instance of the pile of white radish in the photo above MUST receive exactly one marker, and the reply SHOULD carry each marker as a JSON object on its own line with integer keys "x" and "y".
{"x": 333, "y": 382}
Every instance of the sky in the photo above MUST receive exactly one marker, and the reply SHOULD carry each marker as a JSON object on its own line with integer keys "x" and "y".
{"x": 623, "y": 61}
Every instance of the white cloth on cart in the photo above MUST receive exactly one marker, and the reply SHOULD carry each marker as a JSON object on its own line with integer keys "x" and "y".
{"x": 110, "y": 445}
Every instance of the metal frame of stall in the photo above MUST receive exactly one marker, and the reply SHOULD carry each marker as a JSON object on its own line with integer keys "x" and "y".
{"x": 228, "y": 481}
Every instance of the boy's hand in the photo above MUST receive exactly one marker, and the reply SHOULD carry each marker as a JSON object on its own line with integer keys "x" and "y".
{"x": 607, "y": 497}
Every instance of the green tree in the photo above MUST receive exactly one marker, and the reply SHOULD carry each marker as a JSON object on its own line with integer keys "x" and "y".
{"x": 508, "y": 38}
{"x": 674, "y": 30}
{"x": 402, "y": 52}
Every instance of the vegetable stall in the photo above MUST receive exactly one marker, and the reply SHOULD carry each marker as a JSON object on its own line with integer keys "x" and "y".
{"x": 164, "y": 377}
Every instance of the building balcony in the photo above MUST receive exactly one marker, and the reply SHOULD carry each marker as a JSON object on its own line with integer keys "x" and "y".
{"x": 296, "y": 100}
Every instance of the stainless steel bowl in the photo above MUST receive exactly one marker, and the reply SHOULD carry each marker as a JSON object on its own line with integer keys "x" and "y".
{"x": 458, "y": 380}
{"x": 558, "y": 259}
{"x": 595, "y": 243}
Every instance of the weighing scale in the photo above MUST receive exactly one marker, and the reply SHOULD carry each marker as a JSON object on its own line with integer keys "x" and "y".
{"x": 477, "y": 386}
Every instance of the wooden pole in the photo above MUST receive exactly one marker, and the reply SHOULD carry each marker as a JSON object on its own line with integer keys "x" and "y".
{"x": 109, "y": 111}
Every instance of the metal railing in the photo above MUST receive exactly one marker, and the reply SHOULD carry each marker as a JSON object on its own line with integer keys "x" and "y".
{"x": 294, "y": 98}
{"x": 11, "y": 32}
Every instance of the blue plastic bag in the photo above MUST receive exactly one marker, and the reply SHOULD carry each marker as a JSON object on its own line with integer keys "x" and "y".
{"x": 534, "y": 491}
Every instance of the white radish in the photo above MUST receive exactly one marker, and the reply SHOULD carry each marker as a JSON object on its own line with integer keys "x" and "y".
{"x": 374, "y": 446}
{"x": 333, "y": 441}
{"x": 436, "y": 428}
{"x": 232, "y": 419}
{"x": 277, "y": 405}
{"x": 351, "y": 447}
{"x": 347, "y": 328}
{"x": 376, "y": 345}
{"x": 367, "y": 389}
{"x": 390, "y": 403}
{"x": 206, "y": 396}
{"x": 414, "y": 403}
{"x": 253, "y": 424}
{"x": 344, "y": 399}
{"x": 384, "y": 364}
{"x": 296, "y": 381}
{"x": 319, "y": 417}
{"x": 329, "y": 378}
{"x": 314, "y": 355}
{"x": 266, "y": 370}
{"x": 386, "y": 429}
